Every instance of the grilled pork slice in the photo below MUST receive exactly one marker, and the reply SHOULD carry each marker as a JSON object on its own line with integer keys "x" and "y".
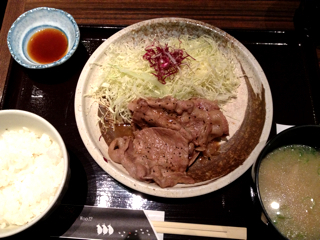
{"x": 157, "y": 154}
{"x": 169, "y": 134}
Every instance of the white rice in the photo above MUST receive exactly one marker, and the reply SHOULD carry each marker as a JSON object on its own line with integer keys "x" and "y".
{"x": 31, "y": 170}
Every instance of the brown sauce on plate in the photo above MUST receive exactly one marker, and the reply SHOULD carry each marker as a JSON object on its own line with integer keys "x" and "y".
{"x": 47, "y": 45}
{"x": 112, "y": 132}
{"x": 109, "y": 131}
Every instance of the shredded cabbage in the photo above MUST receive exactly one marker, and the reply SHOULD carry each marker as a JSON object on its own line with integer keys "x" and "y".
{"x": 126, "y": 76}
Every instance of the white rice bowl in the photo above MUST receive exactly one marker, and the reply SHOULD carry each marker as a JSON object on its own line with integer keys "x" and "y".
{"x": 33, "y": 170}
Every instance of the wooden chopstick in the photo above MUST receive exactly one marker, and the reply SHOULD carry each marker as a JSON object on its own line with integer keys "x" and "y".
{"x": 200, "y": 230}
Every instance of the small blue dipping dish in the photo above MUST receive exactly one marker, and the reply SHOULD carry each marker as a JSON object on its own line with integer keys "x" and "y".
{"x": 35, "y": 20}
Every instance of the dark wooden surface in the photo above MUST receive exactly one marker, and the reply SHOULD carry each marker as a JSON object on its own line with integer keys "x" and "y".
{"x": 287, "y": 56}
{"x": 225, "y": 14}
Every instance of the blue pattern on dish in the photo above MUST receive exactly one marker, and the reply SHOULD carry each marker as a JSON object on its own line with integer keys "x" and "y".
{"x": 34, "y": 20}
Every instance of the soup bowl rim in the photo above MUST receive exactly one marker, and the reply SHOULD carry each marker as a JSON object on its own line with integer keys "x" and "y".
{"x": 268, "y": 148}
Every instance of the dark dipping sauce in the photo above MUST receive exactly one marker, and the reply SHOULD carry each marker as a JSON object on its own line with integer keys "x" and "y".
{"x": 47, "y": 45}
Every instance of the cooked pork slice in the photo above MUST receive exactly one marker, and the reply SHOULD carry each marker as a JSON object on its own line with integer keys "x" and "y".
{"x": 205, "y": 126}
{"x": 198, "y": 120}
{"x": 121, "y": 150}
{"x": 157, "y": 154}
{"x": 118, "y": 147}
{"x": 169, "y": 135}
{"x": 145, "y": 116}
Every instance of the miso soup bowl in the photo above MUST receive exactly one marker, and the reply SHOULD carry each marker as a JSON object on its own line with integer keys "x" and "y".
{"x": 308, "y": 135}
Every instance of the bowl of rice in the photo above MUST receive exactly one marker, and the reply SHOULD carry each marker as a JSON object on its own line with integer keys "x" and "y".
{"x": 34, "y": 170}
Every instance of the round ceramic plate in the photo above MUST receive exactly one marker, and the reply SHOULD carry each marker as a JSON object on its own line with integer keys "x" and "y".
{"x": 249, "y": 115}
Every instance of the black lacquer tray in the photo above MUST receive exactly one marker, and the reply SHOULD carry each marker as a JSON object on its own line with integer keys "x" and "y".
{"x": 290, "y": 64}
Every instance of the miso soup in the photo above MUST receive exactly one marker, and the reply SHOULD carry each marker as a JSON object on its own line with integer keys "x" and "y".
{"x": 289, "y": 182}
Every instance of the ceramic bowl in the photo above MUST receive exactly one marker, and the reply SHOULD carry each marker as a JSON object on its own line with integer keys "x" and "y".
{"x": 37, "y": 19}
{"x": 17, "y": 119}
{"x": 299, "y": 135}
